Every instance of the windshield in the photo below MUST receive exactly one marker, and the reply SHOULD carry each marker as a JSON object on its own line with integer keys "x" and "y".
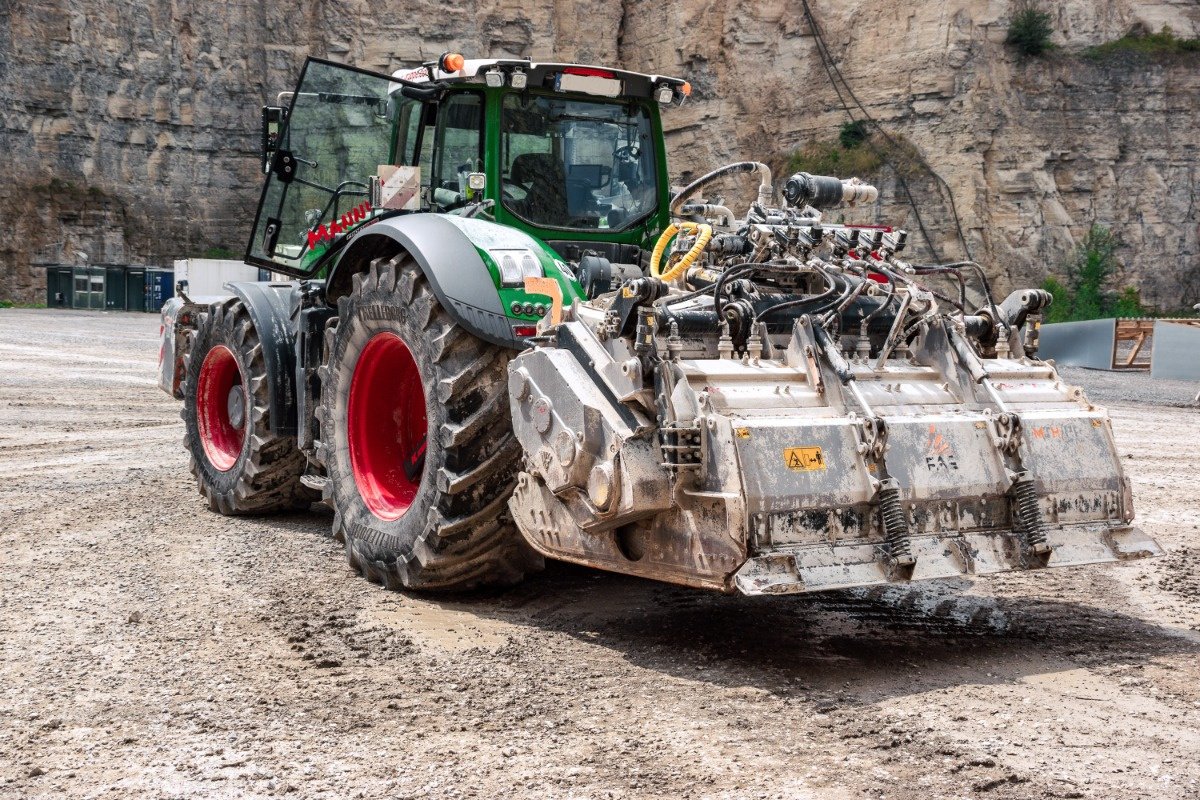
{"x": 577, "y": 163}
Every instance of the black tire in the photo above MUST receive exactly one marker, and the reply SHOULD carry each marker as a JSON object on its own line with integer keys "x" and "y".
{"x": 239, "y": 465}
{"x": 457, "y": 533}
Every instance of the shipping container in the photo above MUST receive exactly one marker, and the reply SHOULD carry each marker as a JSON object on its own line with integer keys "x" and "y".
{"x": 206, "y": 277}
{"x": 112, "y": 287}
{"x": 160, "y": 287}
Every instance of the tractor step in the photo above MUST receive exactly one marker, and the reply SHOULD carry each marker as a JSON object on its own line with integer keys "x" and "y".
{"x": 316, "y": 482}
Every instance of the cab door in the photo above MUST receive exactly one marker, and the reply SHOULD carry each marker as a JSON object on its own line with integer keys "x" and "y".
{"x": 340, "y": 128}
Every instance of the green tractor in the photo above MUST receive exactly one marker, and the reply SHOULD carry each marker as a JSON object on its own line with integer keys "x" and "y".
{"x": 505, "y": 339}
{"x": 377, "y": 381}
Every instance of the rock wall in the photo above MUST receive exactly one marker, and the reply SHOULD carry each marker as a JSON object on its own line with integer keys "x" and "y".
{"x": 1032, "y": 150}
{"x": 134, "y": 131}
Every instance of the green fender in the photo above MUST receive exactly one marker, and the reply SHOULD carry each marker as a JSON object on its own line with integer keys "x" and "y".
{"x": 455, "y": 255}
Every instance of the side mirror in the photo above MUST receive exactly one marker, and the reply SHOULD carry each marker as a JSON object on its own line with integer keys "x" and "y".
{"x": 273, "y": 119}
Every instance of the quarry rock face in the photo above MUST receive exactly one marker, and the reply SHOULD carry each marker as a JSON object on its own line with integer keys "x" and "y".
{"x": 130, "y": 132}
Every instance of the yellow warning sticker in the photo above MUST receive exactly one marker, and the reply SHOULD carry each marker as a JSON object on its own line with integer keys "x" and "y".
{"x": 804, "y": 459}
{"x": 741, "y": 433}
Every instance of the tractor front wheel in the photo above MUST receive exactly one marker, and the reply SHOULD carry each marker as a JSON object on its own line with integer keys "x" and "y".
{"x": 417, "y": 441}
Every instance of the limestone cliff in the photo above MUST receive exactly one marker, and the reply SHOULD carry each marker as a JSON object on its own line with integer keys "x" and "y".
{"x": 132, "y": 130}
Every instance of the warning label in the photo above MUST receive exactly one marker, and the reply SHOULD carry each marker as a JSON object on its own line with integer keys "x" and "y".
{"x": 804, "y": 459}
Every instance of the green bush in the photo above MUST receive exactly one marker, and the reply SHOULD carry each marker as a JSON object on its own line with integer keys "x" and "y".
{"x": 831, "y": 158}
{"x": 853, "y": 134}
{"x": 1163, "y": 43}
{"x": 1060, "y": 309}
{"x": 1086, "y": 295}
{"x": 219, "y": 252}
{"x": 1029, "y": 31}
{"x": 1129, "y": 303}
{"x": 839, "y": 158}
{"x": 1095, "y": 262}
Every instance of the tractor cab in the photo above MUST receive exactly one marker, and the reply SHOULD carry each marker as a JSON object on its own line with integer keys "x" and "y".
{"x": 570, "y": 154}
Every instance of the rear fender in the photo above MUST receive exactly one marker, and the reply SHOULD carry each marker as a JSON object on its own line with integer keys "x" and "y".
{"x": 450, "y": 251}
{"x": 271, "y": 308}
{"x": 170, "y": 357}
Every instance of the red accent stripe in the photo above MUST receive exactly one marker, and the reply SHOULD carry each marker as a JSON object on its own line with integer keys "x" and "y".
{"x": 591, "y": 72}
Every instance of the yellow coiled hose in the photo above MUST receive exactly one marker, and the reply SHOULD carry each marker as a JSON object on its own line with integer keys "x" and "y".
{"x": 704, "y": 234}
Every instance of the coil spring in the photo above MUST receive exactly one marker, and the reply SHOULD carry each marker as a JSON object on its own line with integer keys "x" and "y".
{"x": 1029, "y": 513}
{"x": 895, "y": 525}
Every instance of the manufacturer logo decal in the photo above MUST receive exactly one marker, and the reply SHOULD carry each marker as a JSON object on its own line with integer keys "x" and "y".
{"x": 325, "y": 233}
{"x": 938, "y": 455}
{"x": 804, "y": 459}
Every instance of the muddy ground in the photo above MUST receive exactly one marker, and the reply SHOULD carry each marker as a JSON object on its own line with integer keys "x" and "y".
{"x": 151, "y": 648}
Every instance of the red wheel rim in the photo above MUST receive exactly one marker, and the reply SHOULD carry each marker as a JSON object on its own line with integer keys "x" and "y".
{"x": 221, "y": 408}
{"x": 387, "y": 428}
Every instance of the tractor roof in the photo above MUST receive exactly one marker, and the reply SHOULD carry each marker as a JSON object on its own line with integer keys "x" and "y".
{"x": 582, "y": 78}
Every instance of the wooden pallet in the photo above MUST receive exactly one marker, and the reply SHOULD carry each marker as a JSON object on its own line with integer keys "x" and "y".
{"x": 1137, "y": 332}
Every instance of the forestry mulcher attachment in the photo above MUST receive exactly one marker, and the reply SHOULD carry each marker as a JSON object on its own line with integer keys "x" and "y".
{"x": 509, "y": 340}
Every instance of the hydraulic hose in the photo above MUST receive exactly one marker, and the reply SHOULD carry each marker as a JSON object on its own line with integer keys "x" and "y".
{"x": 707, "y": 210}
{"x": 703, "y": 235}
{"x": 978, "y": 270}
{"x": 765, "y": 190}
{"x": 832, "y": 288}
{"x": 739, "y": 271}
{"x": 887, "y": 301}
{"x": 896, "y": 275}
{"x": 859, "y": 288}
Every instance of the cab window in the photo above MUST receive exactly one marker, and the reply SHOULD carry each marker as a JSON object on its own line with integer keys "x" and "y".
{"x": 577, "y": 164}
{"x": 459, "y": 147}
{"x": 410, "y": 118}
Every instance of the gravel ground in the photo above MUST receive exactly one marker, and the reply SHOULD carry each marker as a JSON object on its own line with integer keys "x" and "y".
{"x": 1123, "y": 388}
{"x": 151, "y": 648}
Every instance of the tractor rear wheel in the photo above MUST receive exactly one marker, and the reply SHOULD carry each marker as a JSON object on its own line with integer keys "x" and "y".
{"x": 417, "y": 441}
{"x": 239, "y": 465}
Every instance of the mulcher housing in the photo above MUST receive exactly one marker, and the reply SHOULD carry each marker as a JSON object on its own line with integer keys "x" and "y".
{"x": 565, "y": 359}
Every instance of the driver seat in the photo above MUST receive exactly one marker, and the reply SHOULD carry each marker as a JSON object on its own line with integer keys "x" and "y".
{"x": 545, "y": 181}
